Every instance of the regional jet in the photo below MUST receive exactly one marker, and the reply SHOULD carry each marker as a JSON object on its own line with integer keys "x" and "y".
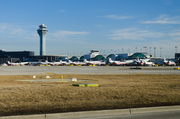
{"x": 170, "y": 63}
{"x": 117, "y": 63}
{"x": 16, "y": 64}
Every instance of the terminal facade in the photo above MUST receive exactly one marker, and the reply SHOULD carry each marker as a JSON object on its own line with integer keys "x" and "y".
{"x": 14, "y": 56}
{"x": 19, "y": 56}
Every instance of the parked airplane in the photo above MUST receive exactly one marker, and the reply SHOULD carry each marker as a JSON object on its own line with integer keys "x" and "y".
{"x": 117, "y": 63}
{"x": 38, "y": 63}
{"x": 120, "y": 63}
{"x": 96, "y": 63}
{"x": 16, "y": 64}
{"x": 145, "y": 62}
{"x": 4, "y": 64}
{"x": 138, "y": 62}
{"x": 84, "y": 63}
{"x": 149, "y": 63}
{"x": 44, "y": 63}
{"x": 75, "y": 63}
{"x": 55, "y": 63}
{"x": 129, "y": 62}
{"x": 170, "y": 63}
{"x": 34, "y": 63}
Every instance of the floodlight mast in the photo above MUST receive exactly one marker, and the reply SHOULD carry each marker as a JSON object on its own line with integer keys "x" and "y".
{"x": 42, "y": 31}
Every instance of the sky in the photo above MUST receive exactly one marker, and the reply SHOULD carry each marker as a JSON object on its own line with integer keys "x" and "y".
{"x": 77, "y": 26}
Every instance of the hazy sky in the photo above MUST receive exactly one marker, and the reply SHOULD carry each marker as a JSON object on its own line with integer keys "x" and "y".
{"x": 78, "y": 26}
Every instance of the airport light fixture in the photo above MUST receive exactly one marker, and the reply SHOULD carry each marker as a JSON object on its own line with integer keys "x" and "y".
{"x": 145, "y": 49}
{"x": 150, "y": 50}
{"x": 128, "y": 50}
{"x": 154, "y": 52}
{"x": 176, "y": 48}
{"x": 160, "y": 51}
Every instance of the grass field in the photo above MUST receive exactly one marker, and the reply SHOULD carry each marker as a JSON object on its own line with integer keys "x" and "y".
{"x": 114, "y": 92}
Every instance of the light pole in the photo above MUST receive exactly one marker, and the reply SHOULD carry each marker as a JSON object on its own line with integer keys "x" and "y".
{"x": 154, "y": 52}
{"x": 176, "y": 48}
{"x": 176, "y": 52}
{"x": 150, "y": 50}
{"x": 144, "y": 49}
{"x": 160, "y": 51}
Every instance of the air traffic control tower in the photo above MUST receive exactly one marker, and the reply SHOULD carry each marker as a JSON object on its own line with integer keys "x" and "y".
{"x": 42, "y": 31}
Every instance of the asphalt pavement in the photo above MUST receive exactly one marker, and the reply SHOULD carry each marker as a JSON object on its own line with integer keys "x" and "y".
{"x": 98, "y": 70}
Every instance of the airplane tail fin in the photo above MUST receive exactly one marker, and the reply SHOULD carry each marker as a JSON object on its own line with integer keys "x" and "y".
{"x": 165, "y": 60}
{"x": 110, "y": 59}
{"x": 85, "y": 60}
{"x": 137, "y": 58}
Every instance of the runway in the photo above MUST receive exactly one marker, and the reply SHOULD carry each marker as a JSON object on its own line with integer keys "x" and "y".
{"x": 89, "y": 70}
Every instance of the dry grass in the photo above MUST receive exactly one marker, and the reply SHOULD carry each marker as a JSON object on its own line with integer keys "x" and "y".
{"x": 115, "y": 92}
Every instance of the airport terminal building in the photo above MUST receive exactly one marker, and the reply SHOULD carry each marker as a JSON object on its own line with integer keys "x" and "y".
{"x": 19, "y": 56}
{"x": 14, "y": 56}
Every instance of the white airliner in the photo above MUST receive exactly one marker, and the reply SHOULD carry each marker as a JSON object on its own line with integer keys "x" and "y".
{"x": 55, "y": 63}
{"x": 74, "y": 63}
{"x": 44, "y": 63}
{"x": 17, "y": 64}
{"x": 84, "y": 63}
{"x": 129, "y": 62}
{"x": 137, "y": 61}
{"x": 145, "y": 62}
{"x": 39, "y": 63}
{"x": 149, "y": 63}
{"x": 4, "y": 64}
{"x": 121, "y": 63}
{"x": 34, "y": 63}
{"x": 170, "y": 63}
{"x": 96, "y": 63}
{"x": 117, "y": 63}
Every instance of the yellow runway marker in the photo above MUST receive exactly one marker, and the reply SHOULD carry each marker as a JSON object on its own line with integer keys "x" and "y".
{"x": 86, "y": 85}
{"x": 139, "y": 73}
{"x": 50, "y": 73}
